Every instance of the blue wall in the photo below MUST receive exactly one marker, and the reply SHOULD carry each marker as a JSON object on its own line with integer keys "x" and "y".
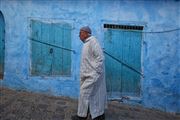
{"x": 160, "y": 51}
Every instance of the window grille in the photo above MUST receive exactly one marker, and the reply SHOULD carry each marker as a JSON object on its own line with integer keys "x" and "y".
{"x": 125, "y": 27}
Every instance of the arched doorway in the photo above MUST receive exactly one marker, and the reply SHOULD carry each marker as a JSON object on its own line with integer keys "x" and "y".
{"x": 2, "y": 46}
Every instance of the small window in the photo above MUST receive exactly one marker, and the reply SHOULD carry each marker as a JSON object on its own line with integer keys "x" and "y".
{"x": 125, "y": 27}
{"x": 49, "y": 44}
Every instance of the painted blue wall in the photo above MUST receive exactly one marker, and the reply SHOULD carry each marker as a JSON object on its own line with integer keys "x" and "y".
{"x": 161, "y": 52}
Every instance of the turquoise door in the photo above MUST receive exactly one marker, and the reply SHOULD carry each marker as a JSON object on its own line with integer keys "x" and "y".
{"x": 123, "y": 62}
{"x": 2, "y": 31}
{"x": 48, "y": 56}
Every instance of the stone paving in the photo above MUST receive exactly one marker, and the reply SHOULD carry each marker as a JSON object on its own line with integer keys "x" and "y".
{"x": 21, "y": 105}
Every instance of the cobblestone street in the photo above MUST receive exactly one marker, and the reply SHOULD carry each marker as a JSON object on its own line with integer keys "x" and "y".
{"x": 21, "y": 105}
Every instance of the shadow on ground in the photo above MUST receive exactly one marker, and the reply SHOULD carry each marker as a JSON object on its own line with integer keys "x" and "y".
{"x": 21, "y": 105}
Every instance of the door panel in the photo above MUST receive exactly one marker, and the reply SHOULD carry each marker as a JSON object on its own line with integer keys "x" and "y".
{"x": 126, "y": 47}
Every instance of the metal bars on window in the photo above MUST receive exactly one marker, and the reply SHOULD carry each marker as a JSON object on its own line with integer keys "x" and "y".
{"x": 125, "y": 27}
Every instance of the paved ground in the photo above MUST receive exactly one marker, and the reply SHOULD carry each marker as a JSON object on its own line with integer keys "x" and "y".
{"x": 21, "y": 105}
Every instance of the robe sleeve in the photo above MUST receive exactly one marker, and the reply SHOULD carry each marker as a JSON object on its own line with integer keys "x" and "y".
{"x": 98, "y": 58}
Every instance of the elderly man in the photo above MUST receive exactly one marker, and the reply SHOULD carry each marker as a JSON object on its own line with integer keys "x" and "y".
{"x": 92, "y": 98}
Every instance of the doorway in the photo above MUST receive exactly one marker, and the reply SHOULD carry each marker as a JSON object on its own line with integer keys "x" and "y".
{"x": 2, "y": 46}
{"x": 123, "y": 60}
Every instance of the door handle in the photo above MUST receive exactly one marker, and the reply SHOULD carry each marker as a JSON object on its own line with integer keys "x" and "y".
{"x": 51, "y": 50}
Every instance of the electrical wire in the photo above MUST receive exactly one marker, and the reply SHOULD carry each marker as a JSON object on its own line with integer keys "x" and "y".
{"x": 165, "y": 31}
{"x": 149, "y": 32}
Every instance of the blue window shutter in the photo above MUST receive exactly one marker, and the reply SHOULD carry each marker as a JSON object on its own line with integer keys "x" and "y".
{"x": 53, "y": 60}
{"x": 67, "y": 44}
{"x": 36, "y": 58}
{"x": 47, "y": 56}
{"x": 62, "y": 57}
{"x": 58, "y": 57}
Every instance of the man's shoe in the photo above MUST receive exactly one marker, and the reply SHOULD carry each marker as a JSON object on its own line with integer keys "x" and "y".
{"x": 76, "y": 117}
{"x": 101, "y": 117}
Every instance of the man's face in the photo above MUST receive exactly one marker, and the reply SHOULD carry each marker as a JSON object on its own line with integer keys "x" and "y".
{"x": 83, "y": 35}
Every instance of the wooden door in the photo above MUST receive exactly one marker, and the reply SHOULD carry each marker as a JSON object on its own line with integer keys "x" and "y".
{"x": 122, "y": 61}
